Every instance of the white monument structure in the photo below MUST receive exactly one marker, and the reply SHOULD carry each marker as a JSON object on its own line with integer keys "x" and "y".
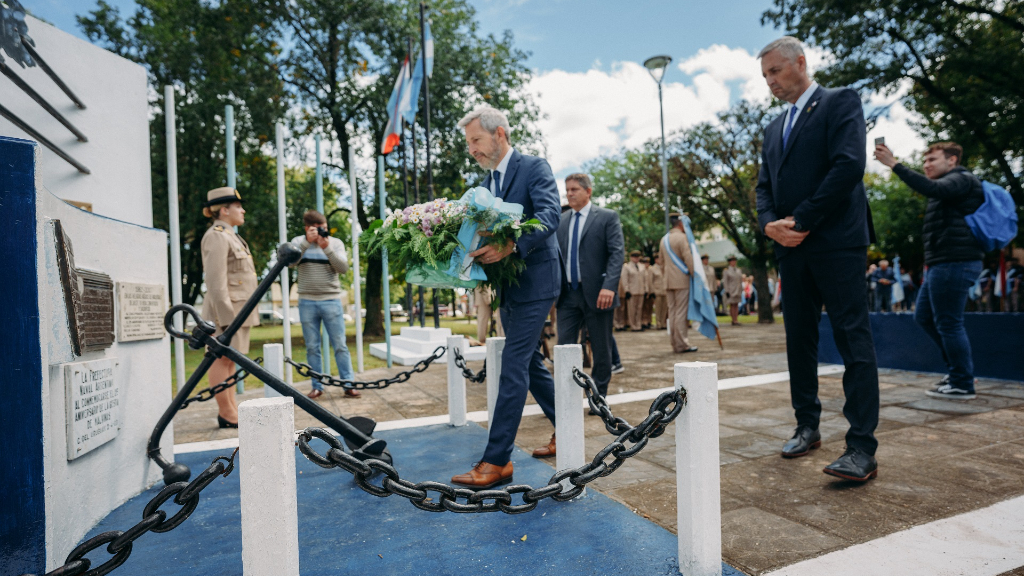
{"x": 85, "y": 365}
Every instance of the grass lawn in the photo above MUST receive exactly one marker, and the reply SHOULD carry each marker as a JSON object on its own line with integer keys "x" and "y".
{"x": 261, "y": 335}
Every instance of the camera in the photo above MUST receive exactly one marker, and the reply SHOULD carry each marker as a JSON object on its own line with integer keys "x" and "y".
{"x": 322, "y": 231}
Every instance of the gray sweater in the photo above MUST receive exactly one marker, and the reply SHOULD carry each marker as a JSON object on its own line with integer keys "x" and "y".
{"x": 319, "y": 269}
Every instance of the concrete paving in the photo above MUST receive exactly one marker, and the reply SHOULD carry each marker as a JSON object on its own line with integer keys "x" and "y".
{"x": 937, "y": 458}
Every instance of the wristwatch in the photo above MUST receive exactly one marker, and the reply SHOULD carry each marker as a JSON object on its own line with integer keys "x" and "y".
{"x": 797, "y": 227}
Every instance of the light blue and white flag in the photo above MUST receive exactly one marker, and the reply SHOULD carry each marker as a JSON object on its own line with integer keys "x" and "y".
{"x": 898, "y": 294}
{"x": 702, "y": 305}
{"x": 417, "y": 73}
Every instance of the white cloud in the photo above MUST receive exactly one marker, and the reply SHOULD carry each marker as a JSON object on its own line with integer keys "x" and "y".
{"x": 596, "y": 113}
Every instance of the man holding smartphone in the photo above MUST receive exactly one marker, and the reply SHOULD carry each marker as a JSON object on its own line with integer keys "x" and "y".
{"x": 951, "y": 253}
{"x": 323, "y": 259}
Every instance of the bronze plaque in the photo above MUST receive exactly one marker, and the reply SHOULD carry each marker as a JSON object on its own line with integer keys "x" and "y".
{"x": 88, "y": 299}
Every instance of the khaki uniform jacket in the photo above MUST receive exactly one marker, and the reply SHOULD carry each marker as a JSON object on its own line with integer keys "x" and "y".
{"x": 633, "y": 280}
{"x": 732, "y": 285}
{"x": 656, "y": 279}
{"x": 709, "y": 271}
{"x": 230, "y": 275}
{"x": 674, "y": 277}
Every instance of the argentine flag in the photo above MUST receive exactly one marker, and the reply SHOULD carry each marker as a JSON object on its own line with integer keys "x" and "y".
{"x": 427, "y": 51}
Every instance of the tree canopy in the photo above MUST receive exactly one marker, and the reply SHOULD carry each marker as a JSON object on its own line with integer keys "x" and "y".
{"x": 323, "y": 66}
{"x": 958, "y": 63}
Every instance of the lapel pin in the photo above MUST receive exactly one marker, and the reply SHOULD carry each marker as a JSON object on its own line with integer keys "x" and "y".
{"x": 811, "y": 107}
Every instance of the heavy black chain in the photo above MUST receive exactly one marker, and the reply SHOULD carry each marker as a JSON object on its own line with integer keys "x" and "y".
{"x": 119, "y": 544}
{"x": 209, "y": 393}
{"x": 476, "y": 377}
{"x": 306, "y": 371}
{"x": 662, "y": 412}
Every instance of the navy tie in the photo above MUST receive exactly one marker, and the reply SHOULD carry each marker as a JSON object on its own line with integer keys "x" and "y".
{"x": 789, "y": 126}
{"x": 497, "y": 182}
{"x": 574, "y": 253}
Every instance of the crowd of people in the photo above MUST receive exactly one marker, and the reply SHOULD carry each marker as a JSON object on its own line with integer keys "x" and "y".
{"x": 811, "y": 203}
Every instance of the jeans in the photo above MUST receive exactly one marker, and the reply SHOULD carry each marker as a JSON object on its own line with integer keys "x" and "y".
{"x": 330, "y": 312}
{"x": 940, "y": 311}
{"x": 615, "y": 353}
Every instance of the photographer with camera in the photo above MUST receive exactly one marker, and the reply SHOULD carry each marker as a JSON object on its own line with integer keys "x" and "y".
{"x": 323, "y": 259}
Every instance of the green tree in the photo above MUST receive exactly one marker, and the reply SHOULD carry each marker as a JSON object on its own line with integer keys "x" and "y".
{"x": 342, "y": 66}
{"x": 898, "y": 215}
{"x": 213, "y": 53}
{"x": 960, "y": 61}
{"x": 712, "y": 170}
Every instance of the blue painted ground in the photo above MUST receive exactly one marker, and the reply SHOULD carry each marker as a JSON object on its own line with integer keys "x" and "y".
{"x": 343, "y": 530}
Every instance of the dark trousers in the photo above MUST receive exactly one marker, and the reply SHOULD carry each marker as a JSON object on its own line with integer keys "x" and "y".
{"x": 883, "y": 299}
{"x": 522, "y": 369}
{"x": 940, "y": 311}
{"x": 573, "y": 315}
{"x": 835, "y": 279}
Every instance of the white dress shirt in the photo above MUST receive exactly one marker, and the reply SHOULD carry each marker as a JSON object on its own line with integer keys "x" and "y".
{"x": 568, "y": 257}
{"x": 502, "y": 168}
{"x": 800, "y": 103}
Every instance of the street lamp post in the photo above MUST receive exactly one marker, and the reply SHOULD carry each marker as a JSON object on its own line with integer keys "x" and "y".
{"x": 656, "y": 65}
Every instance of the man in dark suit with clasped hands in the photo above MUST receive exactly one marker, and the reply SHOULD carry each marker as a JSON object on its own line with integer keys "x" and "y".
{"x": 591, "y": 247}
{"x": 811, "y": 202}
{"x": 528, "y": 181}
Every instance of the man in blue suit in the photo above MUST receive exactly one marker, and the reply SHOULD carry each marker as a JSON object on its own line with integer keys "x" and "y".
{"x": 525, "y": 180}
{"x": 811, "y": 202}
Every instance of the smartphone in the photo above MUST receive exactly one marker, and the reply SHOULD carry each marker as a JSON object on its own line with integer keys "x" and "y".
{"x": 880, "y": 141}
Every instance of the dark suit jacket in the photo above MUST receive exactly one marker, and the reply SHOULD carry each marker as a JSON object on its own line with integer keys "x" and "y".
{"x": 602, "y": 251}
{"x": 818, "y": 178}
{"x": 528, "y": 181}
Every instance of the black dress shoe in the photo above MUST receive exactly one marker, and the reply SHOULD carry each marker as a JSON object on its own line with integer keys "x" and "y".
{"x": 803, "y": 441}
{"x": 854, "y": 464}
{"x": 225, "y": 423}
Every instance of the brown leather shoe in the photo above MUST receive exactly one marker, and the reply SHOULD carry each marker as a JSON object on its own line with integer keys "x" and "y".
{"x": 314, "y": 393}
{"x": 351, "y": 393}
{"x": 485, "y": 476}
{"x": 546, "y": 451}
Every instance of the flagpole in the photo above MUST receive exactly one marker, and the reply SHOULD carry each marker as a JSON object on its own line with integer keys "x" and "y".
{"x": 282, "y": 234}
{"x": 325, "y": 347}
{"x": 426, "y": 128}
{"x": 416, "y": 187}
{"x": 384, "y": 261}
{"x": 405, "y": 192}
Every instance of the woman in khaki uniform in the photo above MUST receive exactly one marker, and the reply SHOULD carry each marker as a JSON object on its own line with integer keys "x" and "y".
{"x": 732, "y": 289}
{"x": 230, "y": 279}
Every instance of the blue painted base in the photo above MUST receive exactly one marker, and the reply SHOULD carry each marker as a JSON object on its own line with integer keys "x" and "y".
{"x": 343, "y": 530}
{"x": 996, "y": 341}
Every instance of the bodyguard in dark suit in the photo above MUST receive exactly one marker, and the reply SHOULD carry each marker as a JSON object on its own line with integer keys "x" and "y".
{"x": 811, "y": 201}
{"x": 592, "y": 249}
{"x": 525, "y": 180}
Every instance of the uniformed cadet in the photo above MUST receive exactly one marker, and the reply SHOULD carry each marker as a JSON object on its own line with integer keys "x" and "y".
{"x": 648, "y": 308}
{"x": 732, "y": 289}
{"x": 658, "y": 286}
{"x": 230, "y": 276}
{"x": 709, "y": 273}
{"x": 633, "y": 281}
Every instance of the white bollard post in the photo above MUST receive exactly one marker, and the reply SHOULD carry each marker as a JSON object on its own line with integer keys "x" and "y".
{"x": 456, "y": 384}
{"x": 698, "y": 491}
{"x": 568, "y": 410}
{"x": 495, "y": 347}
{"x": 273, "y": 361}
{"x": 270, "y": 516}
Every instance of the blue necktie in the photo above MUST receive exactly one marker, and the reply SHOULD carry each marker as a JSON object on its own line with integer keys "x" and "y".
{"x": 574, "y": 253}
{"x": 497, "y": 183}
{"x": 789, "y": 126}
